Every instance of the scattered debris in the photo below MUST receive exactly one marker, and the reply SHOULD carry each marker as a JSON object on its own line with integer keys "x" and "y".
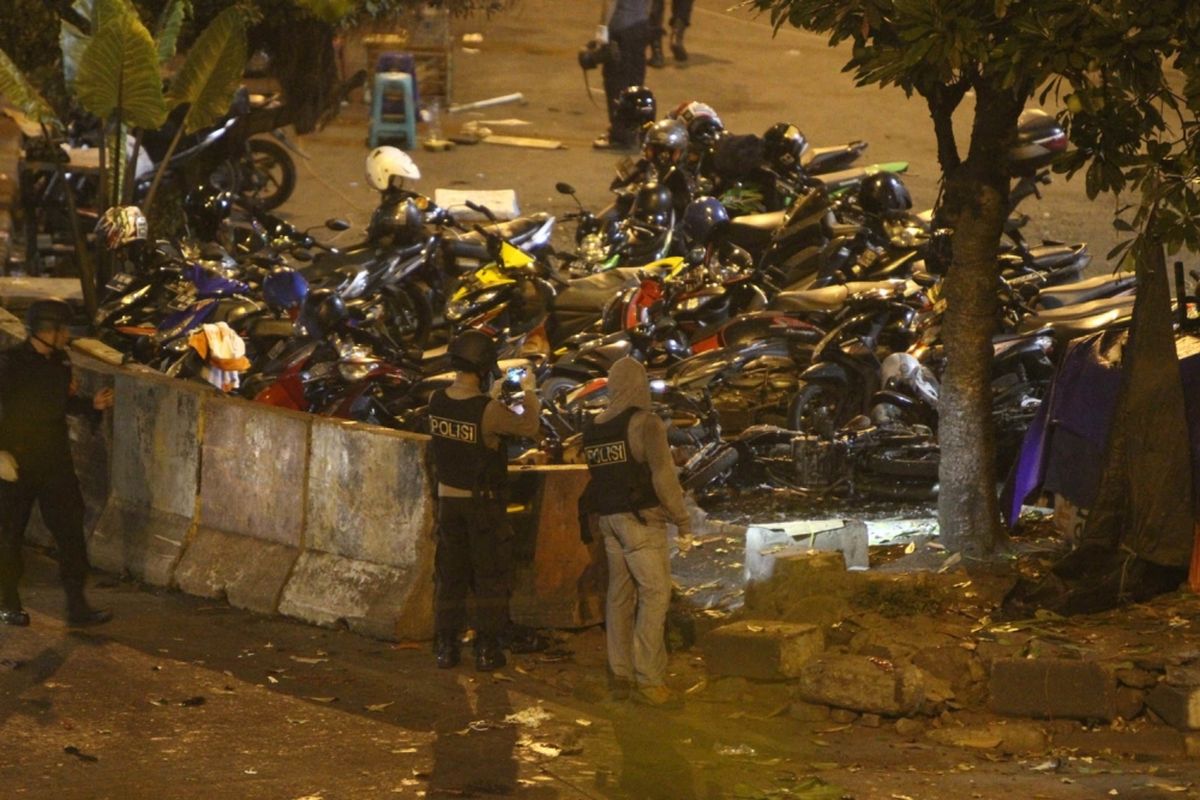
{"x": 531, "y": 717}
{"x": 306, "y": 660}
{"x": 72, "y": 750}
{"x": 377, "y": 707}
{"x": 515, "y": 97}
{"x": 525, "y": 141}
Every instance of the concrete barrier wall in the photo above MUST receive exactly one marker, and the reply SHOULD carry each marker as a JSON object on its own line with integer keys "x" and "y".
{"x": 155, "y": 461}
{"x": 250, "y": 516}
{"x": 368, "y": 527}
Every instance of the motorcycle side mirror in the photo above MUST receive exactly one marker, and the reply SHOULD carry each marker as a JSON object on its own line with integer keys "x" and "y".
{"x": 337, "y": 224}
{"x": 564, "y": 188}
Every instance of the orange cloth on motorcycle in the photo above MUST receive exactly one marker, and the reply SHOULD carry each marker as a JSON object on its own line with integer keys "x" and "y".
{"x": 629, "y": 387}
{"x": 498, "y": 421}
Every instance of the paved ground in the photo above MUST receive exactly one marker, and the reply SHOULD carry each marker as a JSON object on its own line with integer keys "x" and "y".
{"x": 181, "y": 698}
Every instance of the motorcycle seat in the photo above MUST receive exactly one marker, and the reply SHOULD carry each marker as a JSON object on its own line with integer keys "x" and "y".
{"x": 593, "y": 292}
{"x": 1079, "y": 310}
{"x": 1047, "y": 256}
{"x": 828, "y": 298}
{"x": 1069, "y": 294}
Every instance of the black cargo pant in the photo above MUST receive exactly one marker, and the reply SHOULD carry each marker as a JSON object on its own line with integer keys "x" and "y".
{"x": 473, "y": 541}
{"x": 628, "y": 69}
{"x": 57, "y": 494}
{"x": 681, "y": 15}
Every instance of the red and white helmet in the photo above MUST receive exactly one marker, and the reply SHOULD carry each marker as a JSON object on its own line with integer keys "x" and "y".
{"x": 689, "y": 112}
{"x": 386, "y": 163}
{"x": 121, "y": 225}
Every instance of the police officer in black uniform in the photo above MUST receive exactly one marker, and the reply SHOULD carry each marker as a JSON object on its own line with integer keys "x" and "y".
{"x": 37, "y": 393}
{"x": 467, "y": 426}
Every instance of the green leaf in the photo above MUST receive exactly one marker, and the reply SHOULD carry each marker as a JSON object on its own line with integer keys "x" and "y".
{"x": 166, "y": 32}
{"x": 212, "y": 71}
{"x": 327, "y": 10}
{"x": 72, "y": 42}
{"x": 105, "y": 11}
{"x": 20, "y": 93}
{"x": 118, "y": 73}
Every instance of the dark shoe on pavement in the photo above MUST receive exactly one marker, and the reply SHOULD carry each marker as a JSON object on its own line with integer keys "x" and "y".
{"x": 657, "y": 59}
{"x": 87, "y": 616}
{"x": 445, "y": 649}
{"x": 14, "y": 617}
{"x": 658, "y": 697}
{"x": 489, "y": 657}
{"x": 677, "y": 48}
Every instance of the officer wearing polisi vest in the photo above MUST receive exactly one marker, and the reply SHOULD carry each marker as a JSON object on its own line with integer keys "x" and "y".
{"x": 467, "y": 426}
{"x": 632, "y": 494}
{"x": 37, "y": 393}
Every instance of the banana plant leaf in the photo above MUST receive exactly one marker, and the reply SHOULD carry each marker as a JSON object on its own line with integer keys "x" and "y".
{"x": 18, "y": 91}
{"x": 212, "y": 71}
{"x": 118, "y": 72}
{"x": 166, "y": 32}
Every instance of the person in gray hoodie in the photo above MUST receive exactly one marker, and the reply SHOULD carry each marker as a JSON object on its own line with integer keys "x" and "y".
{"x": 632, "y": 494}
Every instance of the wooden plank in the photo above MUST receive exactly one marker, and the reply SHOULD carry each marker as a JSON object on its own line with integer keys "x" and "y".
{"x": 526, "y": 141}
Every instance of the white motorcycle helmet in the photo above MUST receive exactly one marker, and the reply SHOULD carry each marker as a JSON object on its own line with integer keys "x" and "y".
{"x": 385, "y": 163}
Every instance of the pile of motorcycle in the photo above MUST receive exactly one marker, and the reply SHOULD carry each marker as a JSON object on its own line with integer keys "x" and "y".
{"x": 786, "y": 304}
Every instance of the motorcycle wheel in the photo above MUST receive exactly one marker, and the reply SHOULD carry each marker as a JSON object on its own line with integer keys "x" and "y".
{"x": 556, "y": 387}
{"x": 818, "y": 408}
{"x": 267, "y": 175}
{"x": 716, "y": 467}
{"x": 409, "y": 318}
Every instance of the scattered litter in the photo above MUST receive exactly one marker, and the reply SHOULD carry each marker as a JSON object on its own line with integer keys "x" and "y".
{"x": 72, "y": 750}
{"x": 405, "y": 751}
{"x": 500, "y": 676}
{"x": 311, "y": 797}
{"x": 53, "y": 685}
{"x": 531, "y": 717}
{"x": 1048, "y": 766}
{"x": 548, "y": 750}
{"x": 525, "y": 141}
{"x": 515, "y": 97}
{"x": 584, "y": 723}
{"x": 511, "y": 122}
{"x": 376, "y": 707}
{"x": 322, "y": 699}
{"x": 250, "y": 771}
{"x": 306, "y": 660}
{"x": 272, "y": 679}
{"x": 743, "y": 750}
{"x": 472, "y": 38}
{"x": 192, "y": 702}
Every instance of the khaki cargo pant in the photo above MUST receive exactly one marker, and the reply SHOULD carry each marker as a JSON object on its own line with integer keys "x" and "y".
{"x": 639, "y": 592}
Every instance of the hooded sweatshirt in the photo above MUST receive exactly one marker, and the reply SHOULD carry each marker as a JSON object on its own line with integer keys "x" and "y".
{"x": 629, "y": 388}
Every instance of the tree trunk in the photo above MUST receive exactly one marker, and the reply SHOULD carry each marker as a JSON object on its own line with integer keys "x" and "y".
{"x": 977, "y": 205}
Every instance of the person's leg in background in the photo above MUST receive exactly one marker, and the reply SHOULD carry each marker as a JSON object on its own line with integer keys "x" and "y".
{"x": 657, "y": 32}
{"x": 681, "y": 18}
{"x": 452, "y": 579}
{"x": 16, "y": 503}
{"x": 61, "y": 504}
{"x": 627, "y": 69}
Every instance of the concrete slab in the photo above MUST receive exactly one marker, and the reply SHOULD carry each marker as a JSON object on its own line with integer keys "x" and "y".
{"x": 1052, "y": 688}
{"x": 862, "y": 684}
{"x": 1178, "y": 705}
{"x": 762, "y": 649}
{"x": 253, "y": 470}
{"x": 369, "y": 495}
{"x": 373, "y": 599}
{"x": 249, "y": 573}
{"x": 139, "y": 541}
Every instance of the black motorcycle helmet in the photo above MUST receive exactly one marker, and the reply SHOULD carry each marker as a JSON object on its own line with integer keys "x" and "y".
{"x": 47, "y": 314}
{"x": 783, "y": 146}
{"x": 635, "y": 108}
{"x": 883, "y": 194}
{"x": 206, "y": 208}
{"x": 653, "y": 205}
{"x": 704, "y": 132}
{"x": 474, "y": 351}
{"x": 322, "y": 312}
{"x": 665, "y": 143}
{"x": 704, "y": 219}
{"x": 402, "y": 222}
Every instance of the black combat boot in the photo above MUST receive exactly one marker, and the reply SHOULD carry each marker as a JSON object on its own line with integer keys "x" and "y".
{"x": 677, "y": 48}
{"x": 445, "y": 648}
{"x": 81, "y": 614}
{"x": 657, "y": 59}
{"x": 489, "y": 656}
{"x": 14, "y": 616}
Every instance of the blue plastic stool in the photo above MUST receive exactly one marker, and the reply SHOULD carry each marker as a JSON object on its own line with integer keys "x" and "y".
{"x": 395, "y": 61}
{"x": 393, "y": 111}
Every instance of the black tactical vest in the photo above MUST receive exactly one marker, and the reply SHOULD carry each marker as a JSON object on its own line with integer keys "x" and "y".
{"x": 460, "y": 457}
{"x": 618, "y": 483}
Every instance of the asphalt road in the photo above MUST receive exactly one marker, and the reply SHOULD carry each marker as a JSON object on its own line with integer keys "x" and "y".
{"x": 753, "y": 79}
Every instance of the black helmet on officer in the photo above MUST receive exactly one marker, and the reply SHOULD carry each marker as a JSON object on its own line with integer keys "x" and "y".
{"x": 48, "y": 320}
{"x": 883, "y": 195}
{"x": 474, "y": 352}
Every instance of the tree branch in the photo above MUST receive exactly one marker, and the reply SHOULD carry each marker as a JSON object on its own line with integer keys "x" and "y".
{"x": 942, "y": 100}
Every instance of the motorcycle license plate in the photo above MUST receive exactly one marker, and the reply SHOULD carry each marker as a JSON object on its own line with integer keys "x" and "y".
{"x": 119, "y": 282}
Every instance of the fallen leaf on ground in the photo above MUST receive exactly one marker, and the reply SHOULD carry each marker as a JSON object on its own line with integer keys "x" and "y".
{"x": 322, "y": 699}
{"x": 306, "y": 660}
{"x": 379, "y": 706}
